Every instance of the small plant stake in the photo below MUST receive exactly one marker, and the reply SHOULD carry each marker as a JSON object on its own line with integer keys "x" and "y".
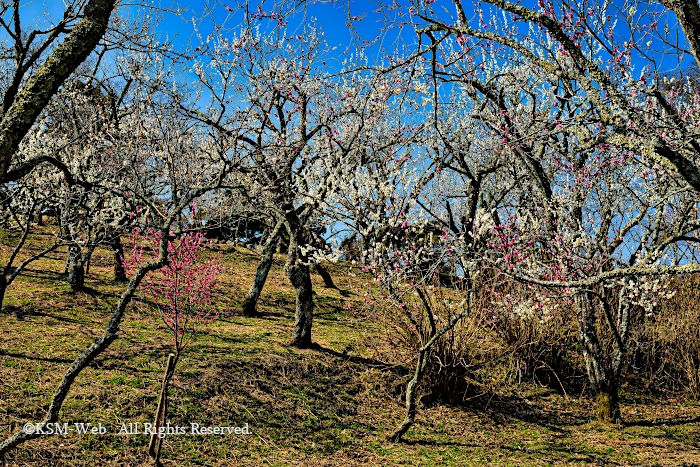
{"x": 160, "y": 412}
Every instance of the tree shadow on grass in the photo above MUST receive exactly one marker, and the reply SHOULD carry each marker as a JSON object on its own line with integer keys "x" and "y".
{"x": 56, "y": 317}
{"x": 42, "y": 274}
{"x": 272, "y": 315}
{"x": 119, "y": 361}
{"x": 563, "y": 452}
{"x": 368, "y": 362}
{"x": 665, "y": 422}
{"x": 93, "y": 292}
{"x": 502, "y": 409}
{"x": 515, "y": 407}
{"x": 33, "y": 357}
{"x": 239, "y": 338}
{"x": 329, "y": 312}
{"x": 427, "y": 442}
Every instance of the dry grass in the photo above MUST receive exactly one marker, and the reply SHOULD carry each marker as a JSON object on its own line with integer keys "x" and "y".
{"x": 323, "y": 407}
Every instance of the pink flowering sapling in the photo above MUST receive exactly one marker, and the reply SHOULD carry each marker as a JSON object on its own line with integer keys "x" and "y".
{"x": 182, "y": 289}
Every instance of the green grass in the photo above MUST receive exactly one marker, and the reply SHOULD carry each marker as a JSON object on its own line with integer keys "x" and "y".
{"x": 328, "y": 406}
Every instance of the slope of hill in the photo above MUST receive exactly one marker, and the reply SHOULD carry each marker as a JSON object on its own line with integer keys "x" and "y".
{"x": 332, "y": 405}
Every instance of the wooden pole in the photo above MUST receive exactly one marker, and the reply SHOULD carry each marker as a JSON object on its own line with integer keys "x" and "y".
{"x": 161, "y": 406}
{"x": 159, "y": 444}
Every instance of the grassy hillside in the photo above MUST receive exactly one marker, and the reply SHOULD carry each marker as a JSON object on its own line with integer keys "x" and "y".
{"x": 327, "y": 406}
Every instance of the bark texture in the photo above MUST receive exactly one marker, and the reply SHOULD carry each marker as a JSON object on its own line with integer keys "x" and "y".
{"x": 76, "y": 269}
{"x": 300, "y": 277}
{"x": 299, "y": 274}
{"x": 688, "y": 14}
{"x": 3, "y": 288}
{"x": 43, "y": 84}
{"x": 428, "y": 340}
{"x": 325, "y": 275}
{"x": 412, "y": 396}
{"x": 118, "y": 255}
{"x": 251, "y": 303}
{"x": 603, "y": 370}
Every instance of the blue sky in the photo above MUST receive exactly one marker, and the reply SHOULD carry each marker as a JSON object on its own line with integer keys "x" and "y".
{"x": 331, "y": 16}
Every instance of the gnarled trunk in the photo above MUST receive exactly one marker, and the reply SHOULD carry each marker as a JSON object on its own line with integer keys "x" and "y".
{"x": 250, "y": 305}
{"x": 299, "y": 274}
{"x": 76, "y": 276}
{"x": 3, "y": 288}
{"x": 603, "y": 373}
{"x": 412, "y": 396}
{"x": 251, "y": 302}
{"x": 39, "y": 215}
{"x": 118, "y": 256}
{"x": 76, "y": 269}
{"x": 325, "y": 275}
{"x": 300, "y": 277}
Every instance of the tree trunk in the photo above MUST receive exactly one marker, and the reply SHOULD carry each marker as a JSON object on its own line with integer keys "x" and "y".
{"x": 39, "y": 216}
{"x": 412, "y": 396}
{"x": 21, "y": 112}
{"x": 76, "y": 270}
{"x": 88, "y": 259}
{"x": 118, "y": 255}
{"x": 325, "y": 275}
{"x": 604, "y": 384}
{"x": 688, "y": 16}
{"x": 76, "y": 276}
{"x": 161, "y": 412}
{"x": 3, "y": 288}
{"x": 300, "y": 277}
{"x": 251, "y": 302}
{"x": 607, "y": 405}
{"x": 66, "y": 264}
{"x": 250, "y": 305}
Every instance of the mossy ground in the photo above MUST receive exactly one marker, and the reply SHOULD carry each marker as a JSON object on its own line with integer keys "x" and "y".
{"x": 332, "y": 405}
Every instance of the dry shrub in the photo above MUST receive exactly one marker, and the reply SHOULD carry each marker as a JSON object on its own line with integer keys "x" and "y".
{"x": 666, "y": 343}
{"x": 542, "y": 351}
{"x": 537, "y": 333}
{"x": 491, "y": 348}
{"x": 454, "y": 358}
{"x": 458, "y": 360}
{"x": 517, "y": 334}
